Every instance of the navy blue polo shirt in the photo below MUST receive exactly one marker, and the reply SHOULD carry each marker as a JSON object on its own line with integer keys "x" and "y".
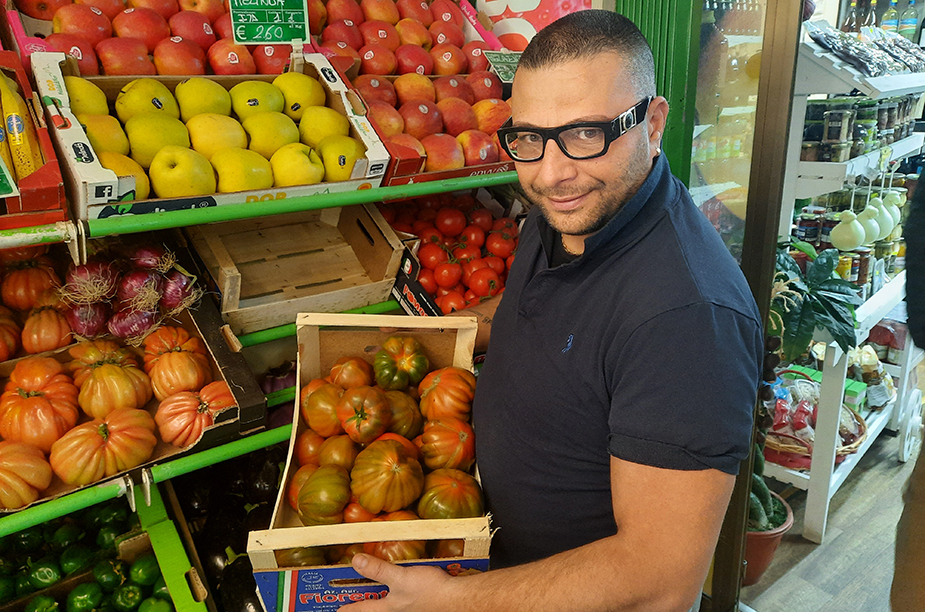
{"x": 647, "y": 347}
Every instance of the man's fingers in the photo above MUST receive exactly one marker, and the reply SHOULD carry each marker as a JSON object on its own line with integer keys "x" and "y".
{"x": 375, "y": 568}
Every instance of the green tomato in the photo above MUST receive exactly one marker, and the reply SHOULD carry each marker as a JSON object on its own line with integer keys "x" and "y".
{"x": 84, "y": 597}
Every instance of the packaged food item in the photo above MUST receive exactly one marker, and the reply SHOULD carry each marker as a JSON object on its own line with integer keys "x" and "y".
{"x": 809, "y": 151}
{"x": 839, "y": 125}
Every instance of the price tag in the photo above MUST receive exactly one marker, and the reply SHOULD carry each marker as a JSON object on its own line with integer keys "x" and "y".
{"x": 269, "y": 21}
{"x": 504, "y": 64}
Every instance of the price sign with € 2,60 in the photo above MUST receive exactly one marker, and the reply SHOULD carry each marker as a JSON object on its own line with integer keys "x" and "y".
{"x": 269, "y": 21}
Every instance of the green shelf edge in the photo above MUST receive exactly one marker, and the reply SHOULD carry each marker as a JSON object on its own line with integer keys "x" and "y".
{"x": 131, "y": 224}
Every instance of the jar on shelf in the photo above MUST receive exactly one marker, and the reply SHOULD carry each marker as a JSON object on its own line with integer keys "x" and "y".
{"x": 883, "y": 250}
{"x": 864, "y": 255}
{"x": 867, "y": 110}
{"x": 838, "y": 152}
{"x": 809, "y": 151}
{"x": 899, "y": 261}
{"x": 843, "y": 268}
{"x": 861, "y": 196}
{"x": 840, "y": 200}
{"x": 815, "y": 108}
{"x": 838, "y": 126}
{"x": 855, "y": 267}
{"x": 883, "y": 116}
{"x": 813, "y": 130}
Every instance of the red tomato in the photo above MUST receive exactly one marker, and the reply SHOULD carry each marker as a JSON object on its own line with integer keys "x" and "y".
{"x": 495, "y": 263}
{"x": 418, "y": 226}
{"x": 406, "y": 216}
{"x": 427, "y": 214}
{"x": 430, "y": 201}
{"x": 430, "y": 234}
{"x": 472, "y": 235}
{"x": 482, "y": 218}
{"x": 398, "y": 226}
{"x": 451, "y": 301}
{"x": 509, "y": 262}
{"x": 506, "y": 224}
{"x": 432, "y": 255}
{"x": 500, "y": 243}
{"x": 470, "y": 297}
{"x": 427, "y": 280}
{"x": 448, "y": 274}
{"x": 466, "y": 253}
{"x": 458, "y": 288}
{"x": 485, "y": 282}
{"x": 450, "y": 221}
{"x": 471, "y": 266}
{"x": 388, "y": 212}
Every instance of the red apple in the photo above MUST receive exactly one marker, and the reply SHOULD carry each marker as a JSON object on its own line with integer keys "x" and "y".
{"x": 41, "y": 9}
{"x": 339, "y": 49}
{"x": 443, "y": 153}
{"x": 491, "y": 114}
{"x": 448, "y": 59}
{"x": 110, "y": 8}
{"x": 271, "y": 59}
{"x": 177, "y": 56}
{"x": 387, "y": 120}
{"x": 376, "y": 59}
{"x": 222, "y": 26}
{"x": 412, "y": 58}
{"x": 194, "y": 27}
{"x": 414, "y": 86}
{"x": 349, "y": 10}
{"x": 142, "y": 23}
{"x": 447, "y": 32}
{"x": 485, "y": 85}
{"x": 164, "y": 8}
{"x": 446, "y": 10}
{"x": 380, "y": 33}
{"x": 344, "y": 31}
{"x": 412, "y": 32}
{"x": 458, "y": 116}
{"x": 212, "y": 9}
{"x": 78, "y": 48}
{"x": 415, "y": 9}
{"x": 478, "y": 148}
{"x": 454, "y": 87}
{"x": 317, "y": 16}
{"x": 407, "y": 140}
{"x": 380, "y": 10}
{"x": 474, "y": 50}
{"x": 502, "y": 154}
{"x": 124, "y": 56}
{"x": 88, "y": 22}
{"x": 225, "y": 57}
{"x": 422, "y": 118}
{"x": 373, "y": 87}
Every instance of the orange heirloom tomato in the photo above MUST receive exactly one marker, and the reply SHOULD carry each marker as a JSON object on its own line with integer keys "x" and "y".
{"x": 307, "y": 445}
{"x": 403, "y": 550}
{"x": 45, "y": 330}
{"x": 318, "y": 411}
{"x": 104, "y": 447}
{"x": 448, "y": 443}
{"x": 364, "y": 413}
{"x": 25, "y": 281}
{"x": 182, "y": 417}
{"x": 24, "y": 474}
{"x": 296, "y": 482}
{"x": 108, "y": 377}
{"x": 450, "y": 494}
{"x": 24, "y": 253}
{"x": 338, "y": 450}
{"x": 385, "y": 478}
{"x": 324, "y": 495}
{"x": 349, "y": 372}
{"x": 355, "y": 513}
{"x": 10, "y": 334}
{"x": 413, "y": 450}
{"x": 407, "y": 419}
{"x": 447, "y": 392}
{"x": 175, "y": 361}
{"x": 39, "y": 403}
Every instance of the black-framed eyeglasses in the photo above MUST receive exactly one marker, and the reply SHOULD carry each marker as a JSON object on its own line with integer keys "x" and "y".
{"x": 583, "y": 140}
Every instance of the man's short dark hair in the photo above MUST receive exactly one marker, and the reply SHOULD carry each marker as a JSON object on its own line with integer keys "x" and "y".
{"x": 585, "y": 34}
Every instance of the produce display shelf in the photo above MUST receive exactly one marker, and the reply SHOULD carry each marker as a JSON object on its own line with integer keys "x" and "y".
{"x": 132, "y": 224}
{"x": 819, "y": 70}
{"x": 280, "y": 397}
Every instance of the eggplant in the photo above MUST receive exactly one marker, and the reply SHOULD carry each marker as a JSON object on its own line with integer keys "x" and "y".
{"x": 258, "y": 519}
{"x": 263, "y": 475}
{"x": 239, "y": 589}
{"x": 224, "y": 527}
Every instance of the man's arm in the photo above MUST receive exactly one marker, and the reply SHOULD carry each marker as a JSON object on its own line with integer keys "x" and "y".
{"x": 668, "y": 522}
{"x": 486, "y": 314}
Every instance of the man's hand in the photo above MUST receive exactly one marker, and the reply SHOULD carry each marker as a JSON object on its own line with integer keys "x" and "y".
{"x": 410, "y": 588}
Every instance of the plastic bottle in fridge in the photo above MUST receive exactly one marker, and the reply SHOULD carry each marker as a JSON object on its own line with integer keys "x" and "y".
{"x": 890, "y": 21}
{"x": 909, "y": 21}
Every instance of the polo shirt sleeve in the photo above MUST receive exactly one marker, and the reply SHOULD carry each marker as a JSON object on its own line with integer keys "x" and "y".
{"x": 684, "y": 388}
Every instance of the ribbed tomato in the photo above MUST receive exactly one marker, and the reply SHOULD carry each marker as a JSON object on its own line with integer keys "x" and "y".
{"x": 25, "y": 281}
{"x": 104, "y": 447}
{"x": 401, "y": 550}
{"x": 349, "y": 372}
{"x": 300, "y": 557}
{"x": 108, "y": 377}
{"x": 307, "y": 445}
{"x": 324, "y": 495}
{"x": 407, "y": 419}
{"x": 413, "y": 450}
{"x": 23, "y": 253}
{"x": 175, "y": 361}
{"x": 45, "y": 329}
{"x": 448, "y": 443}
{"x": 183, "y": 417}
{"x": 364, "y": 413}
{"x": 444, "y": 549}
{"x": 24, "y": 474}
{"x": 338, "y": 450}
{"x": 447, "y": 392}
{"x": 450, "y": 494}
{"x": 296, "y": 482}
{"x": 318, "y": 410}
{"x": 355, "y": 513}
{"x": 385, "y": 478}
{"x": 39, "y": 403}
{"x": 10, "y": 334}
{"x": 400, "y": 362}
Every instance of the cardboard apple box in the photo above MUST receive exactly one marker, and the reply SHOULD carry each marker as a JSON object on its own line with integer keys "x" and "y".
{"x": 23, "y": 34}
{"x": 98, "y": 193}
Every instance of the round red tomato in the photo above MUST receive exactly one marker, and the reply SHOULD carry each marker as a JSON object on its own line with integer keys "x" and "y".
{"x": 427, "y": 280}
{"x": 505, "y": 224}
{"x": 495, "y": 263}
{"x": 500, "y": 243}
{"x": 355, "y": 513}
{"x": 432, "y": 255}
{"x": 296, "y": 482}
{"x": 448, "y": 274}
{"x": 418, "y": 226}
{"x": 467, "y": 253}
{"x": 388, "y": 212}
{"x": 485, "y": 282}
{"x": 450, "y": 221}
{"x": 471, "y": 266}
{"x": 482, "y": 218}
{"x": 427, "y": 214}
{"x": 431, "y": 234}
{"x": 307, "y": 446}
{"x": 318, "y": 410}
{"x": 472, "y": 235}
{"x": 451, "y": 301}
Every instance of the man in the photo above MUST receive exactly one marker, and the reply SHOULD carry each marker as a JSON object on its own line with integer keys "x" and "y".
{"x": 616, "y": 398}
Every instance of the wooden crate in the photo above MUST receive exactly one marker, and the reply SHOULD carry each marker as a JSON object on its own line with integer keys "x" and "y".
{"x": 268, "y": 270}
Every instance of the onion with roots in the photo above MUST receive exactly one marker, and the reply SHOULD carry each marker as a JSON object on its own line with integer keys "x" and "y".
{"x": 94, "y": 281}
{"x": 140, "y": 289}
{"x": 180, "y": 291}
{"x": 88, "y": 320}
{"x": 153, "y": 257}
{"x": 132, "y": 324}
{"x": 279, "y": 377}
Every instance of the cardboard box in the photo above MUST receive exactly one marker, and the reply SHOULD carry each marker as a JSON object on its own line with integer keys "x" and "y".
{"x": 22, "y": 34}
{"x": 323, "y": 338}
{"x": 97, "y": 193}
{"x": 266, "y": 271}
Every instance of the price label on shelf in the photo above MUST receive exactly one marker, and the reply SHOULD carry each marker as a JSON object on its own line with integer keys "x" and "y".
{"x": 269, "y": 21}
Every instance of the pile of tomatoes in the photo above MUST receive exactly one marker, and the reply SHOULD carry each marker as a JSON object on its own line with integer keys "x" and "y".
{"x": 465, "y": 253}
{"x": 385, "y": 441}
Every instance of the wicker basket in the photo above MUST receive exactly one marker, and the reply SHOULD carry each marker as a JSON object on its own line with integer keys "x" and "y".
{"x": 793, "y": 452}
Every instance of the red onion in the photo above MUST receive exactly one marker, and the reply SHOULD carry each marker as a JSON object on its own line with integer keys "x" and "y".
{"x": 148, "y": 256}
{"x": 88, "y": 320}
{"x": 280, "y": 377}
{"x": 94, "y": 281}
{"x": 131, "y": 323}
{"x": 177, "y": 291}
{"x": 280, "y": 415}
{"x": 142, "y": 289}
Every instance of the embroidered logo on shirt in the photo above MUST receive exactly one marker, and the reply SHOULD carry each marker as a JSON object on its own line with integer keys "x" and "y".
{"x": 568, "y": 344}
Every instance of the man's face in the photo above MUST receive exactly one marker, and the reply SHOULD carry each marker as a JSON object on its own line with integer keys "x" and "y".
{"x": 578, "y": 197}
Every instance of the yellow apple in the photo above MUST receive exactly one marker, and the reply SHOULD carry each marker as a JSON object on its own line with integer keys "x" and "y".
{"x": 296, "y": 164}
{"x": 126, "y": 166}
{"x": 179, "y": 172}
{"x": 150, "y": 132}
{"x": 145, "y": 95}
{"x": 318, "y": 122}
{"x": 86, "y": 98}
{"x": 104, "y": 133}
{"x": 201, "y": 95}
{"x": 211, "y": 132}
{"x": 250, "y": 97}
{"x": 241, "y": 170}
{"x": 269, "y": 131}
{"x": 339, "y": 154}
{"x": 299, "y": 92}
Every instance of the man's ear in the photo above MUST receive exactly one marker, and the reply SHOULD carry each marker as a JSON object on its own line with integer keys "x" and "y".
{"x": 657, "y": 116}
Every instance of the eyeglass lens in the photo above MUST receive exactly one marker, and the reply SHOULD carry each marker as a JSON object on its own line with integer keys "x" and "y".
{"x": 577, "y": 142}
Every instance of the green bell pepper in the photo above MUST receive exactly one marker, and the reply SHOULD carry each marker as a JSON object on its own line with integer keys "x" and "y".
{"x": 156, "y": 604}
{"x": 44, "y": 573}
{"x": 106, "y": 537}
{"x": 110, "y": 513}
{"x": 145, "y": 570}
{"x": 66, "y": 535}
{"x": 160, "y": 590}
{"x": 42, "y": 603}
{"x": 76, "y": 558}
{"x": 8, "y": 566}
{"x": 7, "y": 589}
{"x": 127, "y": 598}
{"x": 84, "y": 597}
{"x": 29, "y": 540}
{"x": 22, "y": 584}
{"x": 110, "y": 574}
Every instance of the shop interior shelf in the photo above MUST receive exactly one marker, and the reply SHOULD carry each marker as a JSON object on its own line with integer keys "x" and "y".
{"x": 818, "y": 178}
{"x": 820, "y": 71}
{"x": 878, "y": 305}
{"x": 896, "y": 371}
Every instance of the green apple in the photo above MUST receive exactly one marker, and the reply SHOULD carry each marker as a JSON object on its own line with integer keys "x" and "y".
{"x": 296, "y": 164}
{"x": 339, "y": 154}
{"x": 318, "y": 122}
{"x": 145, "y": 96}
{"x": 201, "y": 95}
{"x": 105, "y": 133}
{"x": 241, "y": 170}
{"x": 299, "y": 92}
{"x": 179, "y": 172}
{"x": 150, "y": 132}
{"x": 211, "y": 132}
{"x": 250, "y": 97}
{"x": 269, "y": 131}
